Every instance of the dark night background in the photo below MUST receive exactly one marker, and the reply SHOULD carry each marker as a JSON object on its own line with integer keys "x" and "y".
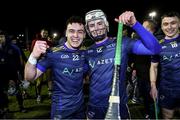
{"x": 30, "y": 16}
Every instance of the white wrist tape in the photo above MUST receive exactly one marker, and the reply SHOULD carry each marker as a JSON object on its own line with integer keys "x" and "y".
{"x": 32, "y": 60}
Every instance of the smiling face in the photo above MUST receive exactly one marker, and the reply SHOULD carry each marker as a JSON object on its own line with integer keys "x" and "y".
{"x": 97, "y": 25}
{"x": 75, "y": 34}
{"x": 170, "y": 27}
{"x": 97, "y": 29}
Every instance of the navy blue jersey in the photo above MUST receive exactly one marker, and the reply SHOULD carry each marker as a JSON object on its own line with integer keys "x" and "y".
{"x": 67, "y": 70}
{"x": 101, "y": 63}
{"x": 100, "y": 58}
{"x": 169, "y": 59}
{"x": 9, "y": 65}
{"x": 9, "y": 62}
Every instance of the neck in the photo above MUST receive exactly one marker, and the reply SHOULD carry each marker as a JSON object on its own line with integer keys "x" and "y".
{"x": 69, "y": 46}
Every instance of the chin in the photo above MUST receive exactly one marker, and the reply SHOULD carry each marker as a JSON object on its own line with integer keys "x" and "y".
{"x": 76, "y": 46}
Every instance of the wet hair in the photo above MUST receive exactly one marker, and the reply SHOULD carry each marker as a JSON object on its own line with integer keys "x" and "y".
{"x": 171, "y": 14}
{"x": 75, "y": 19}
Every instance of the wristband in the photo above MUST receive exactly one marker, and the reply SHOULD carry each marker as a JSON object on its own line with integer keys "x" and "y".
{"x": 32, "y": 60}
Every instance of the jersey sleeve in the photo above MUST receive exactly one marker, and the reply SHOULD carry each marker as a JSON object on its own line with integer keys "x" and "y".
{"x": 155, "y": 58}
{"x": 44, "y": 63}
{"x": 148, "y": 44}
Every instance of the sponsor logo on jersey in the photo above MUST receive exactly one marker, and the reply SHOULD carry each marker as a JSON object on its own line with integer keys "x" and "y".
{"x": 170, "y": 57}
{"x": 69, "y": 71}
{"x": 101, "y": 62}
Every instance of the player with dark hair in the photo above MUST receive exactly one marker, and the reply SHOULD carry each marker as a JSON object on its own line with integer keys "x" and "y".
{"x": 66, "y": 62}
{"x": 169, "y": 62}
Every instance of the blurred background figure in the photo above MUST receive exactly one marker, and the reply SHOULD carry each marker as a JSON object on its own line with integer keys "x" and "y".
{"x": 11, "y": 68}
{"x": 141, "y": 65}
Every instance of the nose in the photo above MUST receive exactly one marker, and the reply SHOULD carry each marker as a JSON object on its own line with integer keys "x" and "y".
{"x": 169, "y": 26}
{"x": 75, "y": 34}
{"x": 96, "y": 27}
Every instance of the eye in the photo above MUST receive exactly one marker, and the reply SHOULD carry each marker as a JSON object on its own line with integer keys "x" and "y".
{"x": 165, "y": 24}
{"x": 71, "y": 31}
{"x": 173, "y": 22}
{"x": 100, "y": 23}
{"x": 81, "y": 32}
{"x": 91, "y": 25}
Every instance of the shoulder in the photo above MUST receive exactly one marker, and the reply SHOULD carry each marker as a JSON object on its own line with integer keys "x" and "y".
{"x": 15, "y": 48}
{"x": 57, "y": 48}
{"x": 161, "y": 41}
{"x": 83, "y": 48}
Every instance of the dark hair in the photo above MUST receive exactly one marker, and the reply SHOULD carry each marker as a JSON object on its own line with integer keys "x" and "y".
{"x": 44, "y": 29}
{"x": 171, "y": 14}
{"x": 75, "y": 19}
{"x": 2, "y": 32}
{"x": 153, "y": 23}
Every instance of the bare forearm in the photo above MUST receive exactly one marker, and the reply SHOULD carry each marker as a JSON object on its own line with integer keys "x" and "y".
{"x": 153, "y": 76}
{"x": 153, "y": 79}
{"x": 30, "y": 71}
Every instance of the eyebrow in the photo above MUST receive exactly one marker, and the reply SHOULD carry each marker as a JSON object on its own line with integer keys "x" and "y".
{"x": 76, "y": 30}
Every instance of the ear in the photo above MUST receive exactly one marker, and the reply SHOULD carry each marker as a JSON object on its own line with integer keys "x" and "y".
{"x": 66, "y": 33}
